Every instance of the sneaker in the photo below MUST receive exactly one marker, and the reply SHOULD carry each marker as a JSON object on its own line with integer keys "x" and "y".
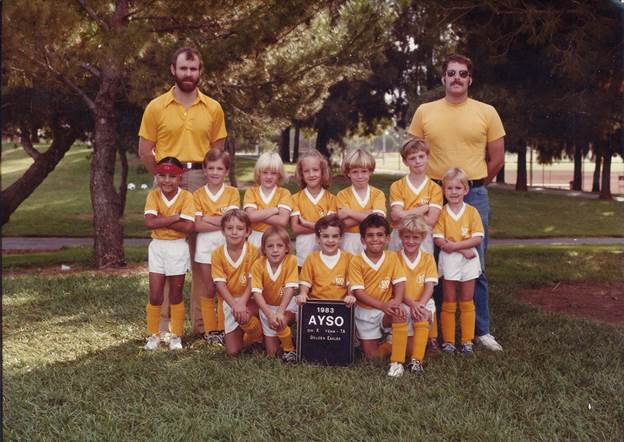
{"x": 396, "y": 370}
{"x": 489, "y": 342}
{"x": 153, "y": 342}
{"x": 165, "y": 336}
{"x": 416, "y": 366}
{"x": 215, "y": 338}
{"x": 175, "y": 343}
{"x": 433, "y": 346}
{"x": 448, "y": 348}
{"x": 467, "y": 349}
{"x": 289, "y": 357}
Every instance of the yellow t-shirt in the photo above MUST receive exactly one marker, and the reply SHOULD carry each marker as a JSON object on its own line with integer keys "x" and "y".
{"x": 185, "y": 134}
{"x": 458, "y": 227}
{"x": 312, "y": 209}
{"x": 326, "y": 276}
{"x": 457, "y": 135}
{"x": 376, "y": 279}
{"x": 181, "y": 204}
{"x": 374, "y": 200}
{"x": 279, "y": 197}
{"x": 235, "y": 274}
{"x": 418, "y": 272}
{"x": 270, "y": 284}
{"x": 208, "y": 204}
{"x": 403, "y": 193}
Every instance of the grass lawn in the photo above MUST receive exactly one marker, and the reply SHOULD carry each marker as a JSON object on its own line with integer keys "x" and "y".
{"x": 74, "y": 370}
{"x": 61, "y": 205}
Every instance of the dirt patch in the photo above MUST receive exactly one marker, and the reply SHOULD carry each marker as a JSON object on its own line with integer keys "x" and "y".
{"x": 601, "y": 302}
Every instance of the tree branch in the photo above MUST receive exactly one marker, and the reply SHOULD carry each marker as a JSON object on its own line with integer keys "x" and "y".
{"x": 94, "y": 16}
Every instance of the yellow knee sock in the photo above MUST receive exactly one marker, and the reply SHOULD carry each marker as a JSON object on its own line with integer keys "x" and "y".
{"x": 433, "y": 330}
{"x": 285, "y": 337}
{"x": 153, "y": 318}
{"x": 467, "y": 317}
{"x": 220, "y": 317}
{"x": 177, "y": 319}
{"x": 253, "y": 331}
{"x": 447, "y": 318}
{"x": 421, "y": 333}
{"x": 399, "y": 342}
{"x": 208, "y": 314}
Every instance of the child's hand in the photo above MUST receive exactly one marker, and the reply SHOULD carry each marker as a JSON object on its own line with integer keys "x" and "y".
{"x": 420, "y": 313}
{"x": 350, "y": 300}
{"x": 395, "y": 309}
{"x": 273, "y": 322}
{"x": 301, "y": 298}
{"x": 239, "y": 310}
{"x": 280, "y": 320}
{"x": 468, "y": 253}
{"x": 448, "y": 247}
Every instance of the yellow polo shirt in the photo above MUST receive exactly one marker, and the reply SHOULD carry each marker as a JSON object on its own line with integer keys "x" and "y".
{"x": 181, "y": 204}
{"x": 185, "y": 134}
{"x": 376, "y": 279}
{"x": 235, "y": 274}
{"x": 457, "y": 135}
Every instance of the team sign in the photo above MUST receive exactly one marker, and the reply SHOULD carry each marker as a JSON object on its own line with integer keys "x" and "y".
{"x": 325, "y": 333}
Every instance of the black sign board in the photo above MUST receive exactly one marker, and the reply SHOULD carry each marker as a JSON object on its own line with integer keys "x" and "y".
{"x": 325, "y": 332}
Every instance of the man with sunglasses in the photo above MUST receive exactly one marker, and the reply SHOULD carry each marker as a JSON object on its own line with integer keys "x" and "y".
{"x": 466, "y": 133}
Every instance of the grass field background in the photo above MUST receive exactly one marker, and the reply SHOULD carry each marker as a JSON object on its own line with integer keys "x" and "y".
{"x": 74, "y": 370}
{"x": 61, "y": 206}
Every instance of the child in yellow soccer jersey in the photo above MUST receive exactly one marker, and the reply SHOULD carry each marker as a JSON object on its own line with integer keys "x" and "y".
{"x": 422, "y": 275}
{"x": 359, "y": 200}
{"x": 274, "y": 279}
{"x": 324, "y": 273}
{"x": 231, "y": 272}
{"x": 458, "y": 231}
{"x": 310, "y": 204}
{"x": 169, "y": 213}
{"x": 376, "y": 278}
{"x": 267, "y": 204}
{"x": 415, "y": 194}
{"x": 211, "y": 202}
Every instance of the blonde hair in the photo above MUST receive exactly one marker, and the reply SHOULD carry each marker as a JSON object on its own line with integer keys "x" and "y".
{"x": 358, "y": 158}
{"x": 279, "y": 231}
{"x": 455, "y": 173}
{"x": 413, "y": 145}
{"x": 270, "y": 161}
{"x": 238, "y": 214}
{"x": 325, "y": 175}
{"x": 413, "y": 224}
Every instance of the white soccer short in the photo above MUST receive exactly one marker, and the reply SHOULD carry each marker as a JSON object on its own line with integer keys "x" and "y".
{"x": 255, "y": 238}
{"x": 352, "y": 243}
{"x": 230, "y": 324}
{"x": 207, "y": 243}
{"x": 368, "y": 323}
{"x": 169, "y": 257}
{"x": 395, "y": 242}
{"x": 266, "y": 329}
{"x": 305, "y": 245}
{"x": 455, "y": 267}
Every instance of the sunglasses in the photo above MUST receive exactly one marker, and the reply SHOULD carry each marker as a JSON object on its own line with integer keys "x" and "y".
{"x": 451, "y": 73}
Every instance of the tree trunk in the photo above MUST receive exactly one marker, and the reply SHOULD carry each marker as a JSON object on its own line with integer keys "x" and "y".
{"x": 16, "y": 193}
{"x": 605, "y": 187}
{"x": 123, "y": 182}
{"x": 284, "y": 146}
{"x": 231, "y": 149}
{"x": 577, "y": 178}
{"x": 597, "y": 167}
{"x": 27, "y": 145}
{"x": 500, "y": 176}
{"x": 521, "y": 177}
{"x": 296, "y": 144}
{"x": 322, "y": 140}
{"x": 108, "y": 231}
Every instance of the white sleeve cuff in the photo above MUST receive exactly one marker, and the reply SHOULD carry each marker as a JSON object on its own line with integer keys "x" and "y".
{"x": 284, "y": 206}
{"x": 305, "y": 283}
{"x": 151, "y": 212}
{"x": 396, "y": 281}
{"x": 397, "y": 203}
{"x": 256, "y": 290}
{"x": 187, "y": 217}
{"x": 252, "y": 205}
{"x": 219, "y": 279}
{"x": 437, "y": 206}
{"x": 438, "y": 235}
{"x": 292, "y": 284}
{"x": 477, "y": 234}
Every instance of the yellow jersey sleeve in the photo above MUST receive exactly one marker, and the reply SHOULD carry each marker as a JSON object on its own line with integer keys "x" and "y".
{"x": 342, "y": 199}
{"x": 476, "y": 224}
{"x": 218, "y": 268}
{"x": 396, "y": 196}
{"x": 440, "y": 227}
{"x": 437, "y": 197}
{"x": 151, "y": 204}
{"x": 257, "y": 276}
{"x": 355, "y": 277}
{"x": 398, "y": 272}
{"x": 431, "y": 270}
{"x": 187, "y": 209}
{"x": 292, "y": 271}
{"x": 378, "y": 201}
{"x": 307, "y": 271}
{"x": 250, "y": 198}
{"x": 284, "y": 200}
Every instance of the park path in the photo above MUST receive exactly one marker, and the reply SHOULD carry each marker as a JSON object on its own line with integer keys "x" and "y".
{"x": 41, "y": 244}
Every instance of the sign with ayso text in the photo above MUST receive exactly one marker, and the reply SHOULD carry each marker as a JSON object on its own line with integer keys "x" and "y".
{"x": 325, "y": 333}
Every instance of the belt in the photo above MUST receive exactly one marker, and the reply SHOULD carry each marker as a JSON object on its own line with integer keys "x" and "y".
{"x": 192, "y": 165}
{"x": 471, "y": 183}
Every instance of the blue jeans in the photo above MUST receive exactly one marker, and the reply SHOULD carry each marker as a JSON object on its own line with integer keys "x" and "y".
{"x": 478, "y": 198}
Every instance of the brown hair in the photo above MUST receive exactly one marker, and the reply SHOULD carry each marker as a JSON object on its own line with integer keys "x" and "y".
{"x": 457, "y": 58}
{"x": 374, "y": 220}
{"x": 216, "y": 155}
{"x": 331, "y": 220}
{"x": 413, "y": 145}
{"x": 358, "y": 158}
{"x": 190, "y": 53}
{"x": 238, "y": 214}
{"x": 325, "y": 175}
{"x": 279, "y": 231}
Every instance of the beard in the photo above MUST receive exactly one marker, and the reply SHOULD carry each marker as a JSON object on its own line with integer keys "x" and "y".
{"x": 185, "y": 84}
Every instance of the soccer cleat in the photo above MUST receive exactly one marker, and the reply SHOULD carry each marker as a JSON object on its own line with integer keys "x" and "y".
{"x": 433, "y": 346}
{"x": 153, "y": 342}
{"x": 467, "y": 349}
{"x": 215, "y": 338}
{"x": 489, "y": 342}
{"x": 165, "y": 336}
{"x": 448, "y": 348}
{"x": 415, "y": 366}
{"x": 289, "y": 357}
{"x": 175, "y": 343}
{"x": 396, "y": 370}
